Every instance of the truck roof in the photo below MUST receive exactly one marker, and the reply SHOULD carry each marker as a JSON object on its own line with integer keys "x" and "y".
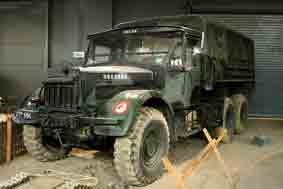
{"x": 190, "y": 24}
{"x": 194, "y": 24}
{"x": 192, "y": 32}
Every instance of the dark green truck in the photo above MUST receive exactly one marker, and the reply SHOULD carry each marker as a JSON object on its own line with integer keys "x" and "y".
{"x": 141, "y": 86}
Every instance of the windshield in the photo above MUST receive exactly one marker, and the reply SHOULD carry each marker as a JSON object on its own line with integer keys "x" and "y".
{"x": 149, "y": 45}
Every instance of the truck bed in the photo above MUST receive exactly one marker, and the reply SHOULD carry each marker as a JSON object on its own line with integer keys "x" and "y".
{"x": 231, "y": 52}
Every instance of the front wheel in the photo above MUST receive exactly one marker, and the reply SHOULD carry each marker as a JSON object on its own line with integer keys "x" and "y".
{"x": 40, "y": 147}
{"x": 138, "y": 156}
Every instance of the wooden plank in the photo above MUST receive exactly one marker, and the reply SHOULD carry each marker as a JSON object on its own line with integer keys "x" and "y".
{"x": 219, "y": 157}
{"x": 87, "y": 154}
{"x": 173, "y": 171}
{"x": 2, "y": 140}
{"x": 194, "y": 165}
{"x": 9, "y": 138}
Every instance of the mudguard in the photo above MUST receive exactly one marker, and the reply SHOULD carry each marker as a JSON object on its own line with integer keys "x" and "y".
{"x": 135, "y": 100}
{"x": 106, "y": 122}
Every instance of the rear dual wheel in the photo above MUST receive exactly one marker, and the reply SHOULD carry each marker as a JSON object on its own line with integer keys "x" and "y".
{"x": 241, "y": 112}
{"x": 229, "y": 122}
{"x": 235, "y": 116}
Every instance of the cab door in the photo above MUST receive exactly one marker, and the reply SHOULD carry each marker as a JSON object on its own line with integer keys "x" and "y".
{"x": 192, "y": 73}
{"x": 183, "y": 74}
{"x": 175, "y": 77}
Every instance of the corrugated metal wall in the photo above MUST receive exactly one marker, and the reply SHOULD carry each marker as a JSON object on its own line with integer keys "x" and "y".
{"x": 267, "y": 32}
{"x": 237, "y": 7}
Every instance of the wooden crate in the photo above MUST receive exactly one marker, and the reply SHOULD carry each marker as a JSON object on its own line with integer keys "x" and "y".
{"x": 11, "y": 139}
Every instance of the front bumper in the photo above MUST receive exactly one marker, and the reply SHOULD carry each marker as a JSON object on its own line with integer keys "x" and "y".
{"x": 100, "y": 125}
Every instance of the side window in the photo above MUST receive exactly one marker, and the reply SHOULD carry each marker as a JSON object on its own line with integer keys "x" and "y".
{"x": 98, "y": 54}
{"x": 178, "y": 51}
{"x": 176, "y": 58}
{"x": 102, "y": 54}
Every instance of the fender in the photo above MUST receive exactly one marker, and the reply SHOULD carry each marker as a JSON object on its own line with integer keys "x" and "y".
{"x": 135, "y": 100}
{"x": 27, "y": 110}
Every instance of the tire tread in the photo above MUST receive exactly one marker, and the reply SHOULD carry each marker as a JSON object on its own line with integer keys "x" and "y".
{"x": 33, "y": 144}
{"x": 126, "y": 153}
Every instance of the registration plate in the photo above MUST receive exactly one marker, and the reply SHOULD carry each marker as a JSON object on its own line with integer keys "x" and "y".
{"x": 21, "y": 116}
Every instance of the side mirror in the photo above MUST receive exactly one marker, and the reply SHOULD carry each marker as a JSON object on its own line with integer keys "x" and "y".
{"x": 176, "y": 64}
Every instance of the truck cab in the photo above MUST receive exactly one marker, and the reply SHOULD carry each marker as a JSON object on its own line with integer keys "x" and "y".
{"x": 165, "y": 52}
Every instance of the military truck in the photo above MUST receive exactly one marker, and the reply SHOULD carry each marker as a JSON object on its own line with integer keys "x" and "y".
{"x": 142, "y": 86}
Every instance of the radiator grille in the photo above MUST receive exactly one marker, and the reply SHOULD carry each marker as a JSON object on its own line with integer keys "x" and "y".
{"x": 61, "y": 96}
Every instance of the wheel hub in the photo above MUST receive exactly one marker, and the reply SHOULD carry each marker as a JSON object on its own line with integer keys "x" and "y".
{"x": 151, "y": 148}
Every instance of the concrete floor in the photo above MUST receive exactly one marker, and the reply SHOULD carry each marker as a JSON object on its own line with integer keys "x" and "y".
{"x": 242, "y": 158}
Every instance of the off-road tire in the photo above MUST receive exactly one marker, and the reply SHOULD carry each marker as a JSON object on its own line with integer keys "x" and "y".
{"x": 33, "y": 143}
{"x": 129, "y": 151}
{"x": 229, "y": 122}
{"x": 241, "y": 112}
